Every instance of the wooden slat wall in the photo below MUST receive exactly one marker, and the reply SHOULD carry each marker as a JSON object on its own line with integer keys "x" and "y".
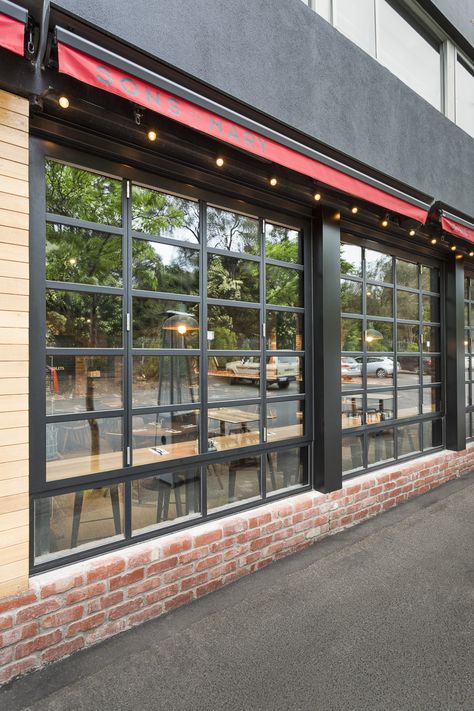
{"x": 14, "y": 528}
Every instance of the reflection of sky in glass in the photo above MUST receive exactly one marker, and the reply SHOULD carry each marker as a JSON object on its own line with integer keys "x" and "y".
{"x": 168, "y": 254}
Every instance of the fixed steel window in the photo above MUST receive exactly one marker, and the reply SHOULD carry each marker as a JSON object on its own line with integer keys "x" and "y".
{"x": 175, "y": 379}
{"x": 390, "y": 356}
{"x": 465, "y": 96}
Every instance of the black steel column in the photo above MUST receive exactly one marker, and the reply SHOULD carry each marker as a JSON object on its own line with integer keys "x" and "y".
{"x": 455, "y": 398}
{"x": 327, "y": 352}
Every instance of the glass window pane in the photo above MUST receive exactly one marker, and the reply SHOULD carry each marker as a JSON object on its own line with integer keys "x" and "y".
{"x": 380, "y": 407}
{"x": 380, "y": 447}
{"x": 351, "y": 296}
{"x": 165, "y": 380}
{"x": 233, "y": 377}
{"x": 83, "y": 256}
{"x": 406, "y": 52}
{"x": 285, "y": 373}
{"x": 379, "y": 300}
{"x": 233, "y": 427}
{"x": 379, "y": 371}
{"x": 408, "y": 305}
{"x": 284, "y": 286}
{"x": 284, "y": 331}
{"x": 466, "y": 288}
{"x": 77, "y": 319}
{"x": 408, "y": 440}
{"x": 432, "y": 434}
{"x": 431, "y": 400}
{"x": 165, "y": 498}
{"x": 408, "y": 403}
{"x": 464, "y": 97}
{"x": 407, "y": 274}
{"x": 408, "y": 337}
{"x": 378, "y": 266}
{"x": 161, "y": 215}
{"x": 431, "y": 308}
{"x": 352, "y": 453}
{"x": 357, "y": 21}
{"x": 285, "y": 420}
{"x": 431, "y": 369}
{"x": 82, "y": 520}
{"x": 352, "y": 411}
{"x": 82, "y": 447}
{"x": 164, "y": 267}
{"x": 83, "y": 383}
{"x": 283, "y": 244}
{"x": 164, "y": 324}
{"x": 466, "y": 314}
{"x": 286, "y": 468}
{"x": 231, "y": 481}
{"x": 468, "y": 425}
{"x": 351, "y": 373}
{"x": 232, "y": 232}
{"x": 164, "y": 436}
{"x": 351, "y": 259}
{"x": 409, "y": 372}
{"x": 379, "y": 336}
{"x": 233, "y": 328}
{"x": 431, "y": 339}
{"x": 430, "y": 279}
{"x": 79, "y": 193}
{"x": 467, "y": 394}
{"x": 234, "y": 279}
{"x": 351, "y": 334}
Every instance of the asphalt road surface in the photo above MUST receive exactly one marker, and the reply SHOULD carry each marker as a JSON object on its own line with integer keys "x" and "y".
{"x": 379, "y": 617}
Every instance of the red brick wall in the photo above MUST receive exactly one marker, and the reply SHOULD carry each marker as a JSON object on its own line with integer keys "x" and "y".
{"x": 79, "y": 605}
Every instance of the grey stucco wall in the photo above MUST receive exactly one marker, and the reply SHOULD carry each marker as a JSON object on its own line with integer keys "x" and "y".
{"x": 283, "y": 59}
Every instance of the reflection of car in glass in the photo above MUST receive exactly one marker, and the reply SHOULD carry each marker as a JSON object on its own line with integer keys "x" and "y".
{"x": 281, "y": 370}
{"x": 379, "y": 365}
{"x": 350, "y": 368}
{"x": 411, "y": 364}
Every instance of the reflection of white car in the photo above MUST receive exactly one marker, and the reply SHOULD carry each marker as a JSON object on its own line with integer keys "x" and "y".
{"x": 350, "y": 368}
{"x": 379, "y": 366}
{"x": 280, "y": 369}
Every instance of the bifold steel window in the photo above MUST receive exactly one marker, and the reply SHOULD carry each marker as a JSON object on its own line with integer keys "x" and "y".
{"x": 469, "y": 353}
{"x": 171, "y": 381}
{"x": 391, "y": 355}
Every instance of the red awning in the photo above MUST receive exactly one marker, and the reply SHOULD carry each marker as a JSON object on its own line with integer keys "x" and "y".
{"x": 12, "y": 34}
{"x": 457, "y": 228}
{"x": 104, "y": 76}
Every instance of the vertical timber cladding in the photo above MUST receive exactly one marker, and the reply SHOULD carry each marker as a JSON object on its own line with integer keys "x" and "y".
{"x": 14, "y": 288}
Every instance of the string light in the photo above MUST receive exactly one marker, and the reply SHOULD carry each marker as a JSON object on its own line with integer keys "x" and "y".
{"x": 453, "y": 248}
{"x": 317, "y": 196}
{"x": 385, "y": 221}
{"x": 459, "y": 256}
{"x": 434, "y": 240}
{"x": 355, "y": 210}
{"x": 151, "y": 135}
{"x": 63, "y": 101}
{"x": 412, "y": 233}
{"x": 273, "y": 182}
{"x": 337, "y": 215}
{"x": 471, "y": 254}
{"x": 219, "y": 162}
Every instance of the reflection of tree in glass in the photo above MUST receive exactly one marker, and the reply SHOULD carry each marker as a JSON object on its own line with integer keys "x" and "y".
{"x": 155, "y": 213}
{"x": 83, "y": 256}
{"x": 233, "y": 232}
{"x": 230, "y": 278}
{"x": 284, "y": 331}
{"x": 79, "y": 319}
{"x": 81, "y": 194}
{"x": 282, "y": 244}
{"x": 149, "y": 316}
{"x": 378, "y": 266}
{"x": 284, "y": 286}
{"x": 158, "y": 267}
{"x": 351, "y": 297}
{"x": 351, "y": 335}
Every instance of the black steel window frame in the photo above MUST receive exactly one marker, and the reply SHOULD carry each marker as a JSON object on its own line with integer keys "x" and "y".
{"x": 370, "y": 239}
{"x": 469, "y": 352}
{"x": 40, "y": 150}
